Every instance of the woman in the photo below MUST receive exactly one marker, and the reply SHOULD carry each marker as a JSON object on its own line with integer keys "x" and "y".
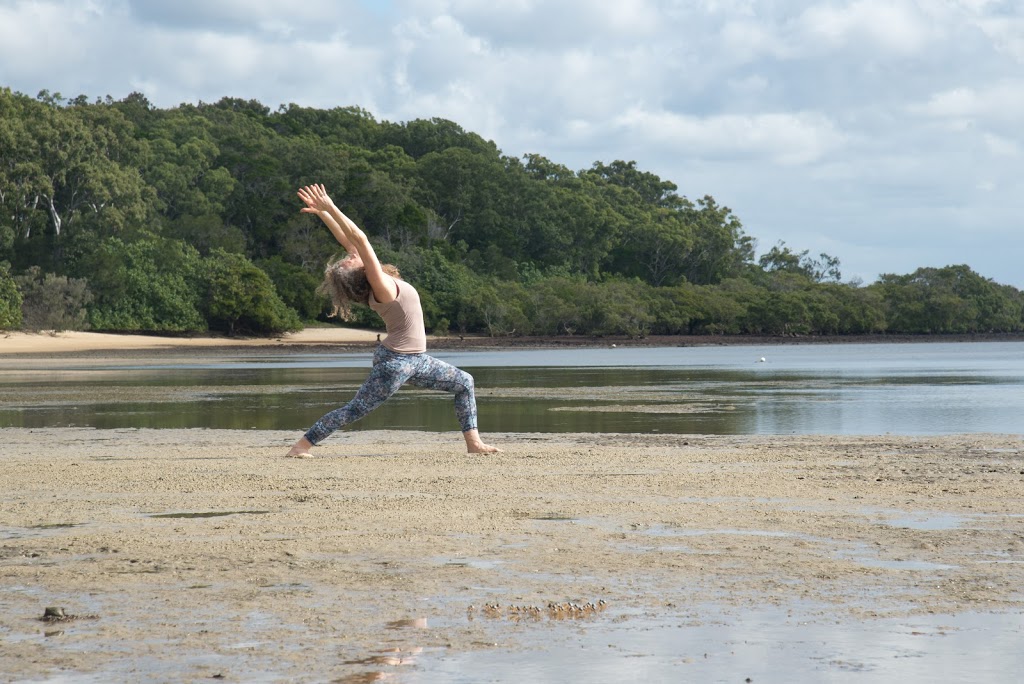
{"x": 400, "y": 358}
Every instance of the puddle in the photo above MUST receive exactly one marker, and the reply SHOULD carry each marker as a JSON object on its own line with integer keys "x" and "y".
{"x": 867, "y": 556}
{"x": 474, "y": 563}
{"x": 765, "y": 646}
{"x": 288, "y": 587}
{"x": 206, "y": 514}
{"x": 934, "y": 522}
{"x": 921, "y": 566}
{"x": 31, "y": 531}
{"x": 664, "y": 531}
{"x": 937, "y": 521}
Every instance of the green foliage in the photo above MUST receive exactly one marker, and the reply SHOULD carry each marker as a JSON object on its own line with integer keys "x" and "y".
{"x": 186, "y": 218}
{"x": 66, "y": 170}
{"x": 676, "y": 309}
{"x": 239, "y": 297}
{"x": 782, "y": 259}
{"x": 446, "y": 287}
{"x": 10, "y": 299}
{"x": 151, "y": 284}
{"x": 860, "y": 310}
{"x": 206, "y": 233}
{"x": 495, "y": 307}
{"x": 721, "y": 248}
{"x": 52, "y": 302}
{"x": 295, "y": 286}
{"x": 953, "y": 299}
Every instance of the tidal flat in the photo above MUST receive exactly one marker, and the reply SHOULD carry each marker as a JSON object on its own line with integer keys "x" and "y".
{"x": 197, "y": 554}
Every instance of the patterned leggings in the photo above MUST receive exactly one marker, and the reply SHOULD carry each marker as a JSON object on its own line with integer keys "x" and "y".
{"x": 390, "y": 371}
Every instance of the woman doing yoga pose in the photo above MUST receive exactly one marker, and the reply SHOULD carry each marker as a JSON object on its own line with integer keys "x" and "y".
{"x": 400, "y": 358}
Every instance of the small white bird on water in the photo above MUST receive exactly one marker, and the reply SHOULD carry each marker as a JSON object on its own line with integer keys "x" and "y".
{"x": 761, "y": 360}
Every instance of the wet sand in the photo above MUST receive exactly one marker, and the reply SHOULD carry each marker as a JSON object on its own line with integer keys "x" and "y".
{"x": 194, "y": 554}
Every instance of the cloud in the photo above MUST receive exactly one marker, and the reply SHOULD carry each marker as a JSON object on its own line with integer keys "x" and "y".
{"x": 1001, "y": 147}
{"x": 995, "y": 104}
{"x": 852, "y": 127}
{"x": 567, "y": 24}
{"x": 895, "y": 26}
{"x": 238, "y": 16}
{"x": 1006, "y": 33}
{"x": 781, "y": 138}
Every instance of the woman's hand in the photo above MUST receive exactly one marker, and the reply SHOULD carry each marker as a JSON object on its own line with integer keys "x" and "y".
{"x": 320, "y": 203}
{"x": 316, "y": 198}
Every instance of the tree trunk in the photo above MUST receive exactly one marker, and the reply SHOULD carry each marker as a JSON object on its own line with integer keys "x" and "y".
{"x": 54, "y": 215}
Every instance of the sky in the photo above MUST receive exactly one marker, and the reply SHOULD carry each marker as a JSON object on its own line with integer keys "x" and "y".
{"x": 886, "y": 133}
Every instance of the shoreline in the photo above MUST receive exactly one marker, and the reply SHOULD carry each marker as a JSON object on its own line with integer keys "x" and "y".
{"x": 23, "y": 344}
{"x": 194, "y": 554}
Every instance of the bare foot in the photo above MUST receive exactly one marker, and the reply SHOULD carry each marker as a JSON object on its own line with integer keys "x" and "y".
{"x": 300, "y": 449}
{"x": 482, "y": 448}
{"x": 475, "y": 445}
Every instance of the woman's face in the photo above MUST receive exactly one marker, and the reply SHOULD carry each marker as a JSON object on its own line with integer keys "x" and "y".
{"x": 351, "y": 261}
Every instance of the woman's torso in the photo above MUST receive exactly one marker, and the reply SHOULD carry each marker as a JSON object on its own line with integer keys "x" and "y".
{"x": 403, "y": 319}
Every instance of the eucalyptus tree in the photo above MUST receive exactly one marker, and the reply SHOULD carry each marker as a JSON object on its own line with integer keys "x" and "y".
{"x": 721, "y": 248}
{"x": 782, "y": 258}
{"x": 68, "y": 172}
{"x": 182, "y": 165}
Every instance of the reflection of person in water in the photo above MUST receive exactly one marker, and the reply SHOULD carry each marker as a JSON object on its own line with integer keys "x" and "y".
{"x": 400, "y": 357}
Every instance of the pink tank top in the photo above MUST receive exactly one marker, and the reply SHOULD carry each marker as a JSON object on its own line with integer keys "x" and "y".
{"x": 403, "y": 319}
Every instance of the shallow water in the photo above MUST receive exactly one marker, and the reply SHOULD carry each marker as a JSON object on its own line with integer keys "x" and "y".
{"x": 908, "y": 389}
{"x": 762, "y": 644}
{"x": 709, "y": 643}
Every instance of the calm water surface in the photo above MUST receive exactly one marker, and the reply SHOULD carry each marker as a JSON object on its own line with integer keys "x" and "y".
{"x": 910, "y": 389}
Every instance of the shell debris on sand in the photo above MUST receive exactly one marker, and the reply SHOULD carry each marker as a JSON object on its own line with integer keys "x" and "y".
{"x": 553, "y": 611}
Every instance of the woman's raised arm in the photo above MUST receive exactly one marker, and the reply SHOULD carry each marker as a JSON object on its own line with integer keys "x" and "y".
{"x": 351, "y": 237}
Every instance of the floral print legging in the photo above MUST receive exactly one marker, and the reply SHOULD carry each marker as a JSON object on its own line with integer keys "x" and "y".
{"x": 390, "y": 371}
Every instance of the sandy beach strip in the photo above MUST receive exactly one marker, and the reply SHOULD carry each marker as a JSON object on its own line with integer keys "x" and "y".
{"x": 192, "y": 554}
{"x": 68, "y": 342}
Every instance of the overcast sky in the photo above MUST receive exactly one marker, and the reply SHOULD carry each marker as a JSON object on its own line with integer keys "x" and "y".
{"x": 887, "y": 133}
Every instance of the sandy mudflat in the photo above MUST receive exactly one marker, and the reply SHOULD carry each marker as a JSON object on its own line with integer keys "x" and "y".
{"x": 309, "y": 570}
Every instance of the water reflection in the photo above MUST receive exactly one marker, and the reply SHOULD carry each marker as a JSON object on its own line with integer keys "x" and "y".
{"x": 395, "y": 656}
{"x": 842, "y": 389}
{"x": 762, "y": 645}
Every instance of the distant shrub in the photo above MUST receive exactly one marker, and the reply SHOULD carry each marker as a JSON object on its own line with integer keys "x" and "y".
{"x": 10, "y": 299}
{"x": 241, "y": 298}
{"x": 53, "y": 302}
{"x": 150, "y": 284}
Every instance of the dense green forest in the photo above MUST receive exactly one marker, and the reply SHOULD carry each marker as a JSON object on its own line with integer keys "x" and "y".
{"x": 120, "y": 216}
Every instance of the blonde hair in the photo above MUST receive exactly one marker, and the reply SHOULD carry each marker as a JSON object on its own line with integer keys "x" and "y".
{"x": 348, "y": 285}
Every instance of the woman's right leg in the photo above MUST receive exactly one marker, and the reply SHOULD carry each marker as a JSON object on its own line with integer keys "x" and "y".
{"x": 441, "y": 375}
{"x": 388, "y": 374}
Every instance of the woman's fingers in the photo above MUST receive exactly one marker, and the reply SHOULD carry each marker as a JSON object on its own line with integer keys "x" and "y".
{"x": 314, "y": 195}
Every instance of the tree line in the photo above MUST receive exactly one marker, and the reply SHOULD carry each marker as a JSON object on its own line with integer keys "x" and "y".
{"x": 116, "y": 215}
